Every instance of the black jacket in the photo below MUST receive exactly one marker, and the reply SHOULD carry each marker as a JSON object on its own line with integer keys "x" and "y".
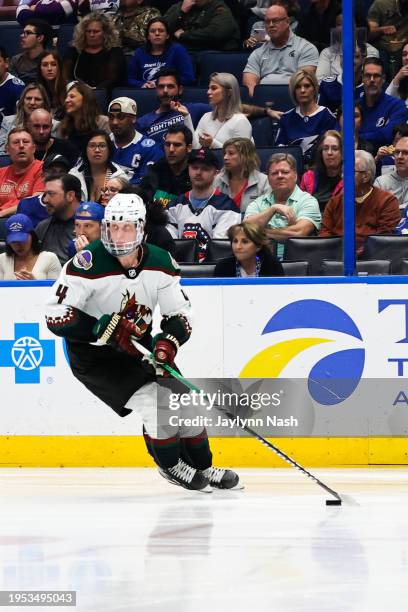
{"x": 270, "y": 266}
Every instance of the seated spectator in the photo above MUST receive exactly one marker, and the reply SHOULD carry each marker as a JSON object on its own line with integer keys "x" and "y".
{"x": 226, "y": 119}
{"x": 62, "y": 196}
{"x": 36, "y": 36}
{"x": 324, "y": 179}
{"x": 240, "y": 178}
{"x": 381, "y": 112}
{"x": 304, "y": 124}
{"x": 113, "y": 186}
{"x": 22, "y": 177}
{"x": 11, "y": 87}
{"x": 385, "y": 158}
{"x": 33, "y": 96}
{"x": 331, "y": 58}
{"x": 388, "y": 25}
{"x": 169, "y": 177}
{"x": 286, "y": 212}
{"x": 33, "y": 206}
{"x": 39, "y": 123}
{"x": 109, "y": 7}
{"x": 87, "y": 226}
{"x": 377, "y": 212}
{"x": 24, "y": 259}
{"x": 131, "y": 21}
{"x": 54, "y": 12}
{"x": 331, "y": 88}
{"x": 275, "y": 61}
{"x": 81, "y": 115}
{"x": 132, "y": 151}
{"x": 159, "y": 52}
{"x": 202, "y": 213}
{"x": 203, "y": 25}
{"x": 169, "y": 91}
{"x": 359, "y": 143}
{"x": 258, "y": 33}
{"x": 95, "y": 56}
{"x": 252, "y": 254}
{"x": 399, "y": 84}
{"x": 396, "y": 181}
{"x": 51, "y": 77}
{"x": 96, "y": 166}
{"x": 317, "y": 20}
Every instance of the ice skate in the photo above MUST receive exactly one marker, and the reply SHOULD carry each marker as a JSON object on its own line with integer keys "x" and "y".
{"x": 186, "y": 476}
{"x": 223, "y": 479}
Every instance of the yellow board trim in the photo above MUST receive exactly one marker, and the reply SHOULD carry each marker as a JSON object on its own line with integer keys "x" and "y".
{"x": 130, "y": 451}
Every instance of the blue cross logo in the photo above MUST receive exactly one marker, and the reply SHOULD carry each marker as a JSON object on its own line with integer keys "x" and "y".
{"x": 27, "y": 353}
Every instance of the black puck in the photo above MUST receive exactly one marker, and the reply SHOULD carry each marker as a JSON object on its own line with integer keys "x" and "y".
{"x": 333, "y": 502}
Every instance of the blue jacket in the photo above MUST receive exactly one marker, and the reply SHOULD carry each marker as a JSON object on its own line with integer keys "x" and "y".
{"x": 379, "y": 120}
{"x": 144, "y": 66}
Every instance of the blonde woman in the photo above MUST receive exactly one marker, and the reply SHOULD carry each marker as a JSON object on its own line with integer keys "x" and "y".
{"x": 95, "y": 56}
{"x": 304, "y": 124}
{"x": 240, "y": 177}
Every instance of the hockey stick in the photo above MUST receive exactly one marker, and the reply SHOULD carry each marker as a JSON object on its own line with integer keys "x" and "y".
{"x": 337, "y": 501}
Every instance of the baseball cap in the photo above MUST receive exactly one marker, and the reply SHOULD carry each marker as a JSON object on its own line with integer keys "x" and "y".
{"x": 18, "y": 228}
{"x": 90, "y": 211}
{"x": 205, "y": 156}
{"x": 56, "y": 158}
{"x": 127, "y": 105}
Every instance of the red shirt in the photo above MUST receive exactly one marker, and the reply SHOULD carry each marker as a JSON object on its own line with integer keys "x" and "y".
{"x": 14, "y": 187}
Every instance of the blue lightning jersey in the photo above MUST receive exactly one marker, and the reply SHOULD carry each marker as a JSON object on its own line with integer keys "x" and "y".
{"x": 10, "y": 92}
{"x": 137, "y": 155}
{"x": 304, "y": 130}
{"x": 155, "y": 125}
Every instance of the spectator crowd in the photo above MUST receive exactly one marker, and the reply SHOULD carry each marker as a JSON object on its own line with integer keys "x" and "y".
{"x": 224, "y": 115}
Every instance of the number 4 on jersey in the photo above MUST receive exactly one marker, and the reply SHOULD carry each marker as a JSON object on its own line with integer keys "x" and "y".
{"x": 61, "y": 292}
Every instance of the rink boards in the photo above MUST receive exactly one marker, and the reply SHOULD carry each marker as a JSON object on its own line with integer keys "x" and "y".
{"x": 278, "y": 328}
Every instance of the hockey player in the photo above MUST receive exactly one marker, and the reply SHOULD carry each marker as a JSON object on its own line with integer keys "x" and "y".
{"x": 104, "y": 297}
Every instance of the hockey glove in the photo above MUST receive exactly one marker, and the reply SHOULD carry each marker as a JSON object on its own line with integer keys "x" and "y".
{"x": 164, "y": 351}
{"x": 116, "y": 331}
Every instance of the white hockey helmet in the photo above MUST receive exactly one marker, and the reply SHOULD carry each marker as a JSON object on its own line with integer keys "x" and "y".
{"x": 123, "y": 208}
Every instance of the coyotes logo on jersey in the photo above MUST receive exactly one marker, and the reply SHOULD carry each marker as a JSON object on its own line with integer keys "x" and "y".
{"x": 139, "y": 314}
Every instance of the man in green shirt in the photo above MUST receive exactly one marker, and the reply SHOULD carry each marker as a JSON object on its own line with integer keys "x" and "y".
{"x": 286, "y": 212}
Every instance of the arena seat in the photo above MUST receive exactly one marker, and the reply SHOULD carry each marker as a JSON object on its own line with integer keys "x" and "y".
{"x": 217, "y": 249}
{"x": 64, "y": 38}
{"x": 211, "y": 61}
{"x": 264, "y": 154}
{"x": 404, "y": 267}
{"x": 392, "y": 247}
{"x": 145, "y": 99}
{"x": 2, "y": 246}
{"x": 314, "y": 250}
{"x": 196, "y": 270}
{"x": 4, "y": 160}
{"x": 295, "y": 268}
{"x": 263, "y": 131}
{"x": 276, "y": 94}
{"x": 102, "y": 99}
{"x": 375, "y": 267}
{"x": 186, "y": 251}
{"x": 10, "y": 37}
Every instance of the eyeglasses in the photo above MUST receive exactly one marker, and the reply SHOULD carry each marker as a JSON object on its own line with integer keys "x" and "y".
{"x": 109, "y": 190}
{"x": 28, "y": 33}
{"x": 275, "y": 21}
{"x": 97, "y": 145}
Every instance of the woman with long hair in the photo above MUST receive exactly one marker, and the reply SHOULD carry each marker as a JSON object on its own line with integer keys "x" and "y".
{"x": 51, "y": 76}
{"x": 81, "y": 114}
{"x": 95, "y": 56}
{"x": 159, "y": 52}
{"x": 307, "y": 121}
{"x": 225, "y": 121}
{"x": 96, "y": 167}
{"x": 23, "y": 258}
{"x": 324, "y": 179}
{"x": 240, "y": 177}
{"x": 252, "y": 255}
{"x": 32, "y": 97}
